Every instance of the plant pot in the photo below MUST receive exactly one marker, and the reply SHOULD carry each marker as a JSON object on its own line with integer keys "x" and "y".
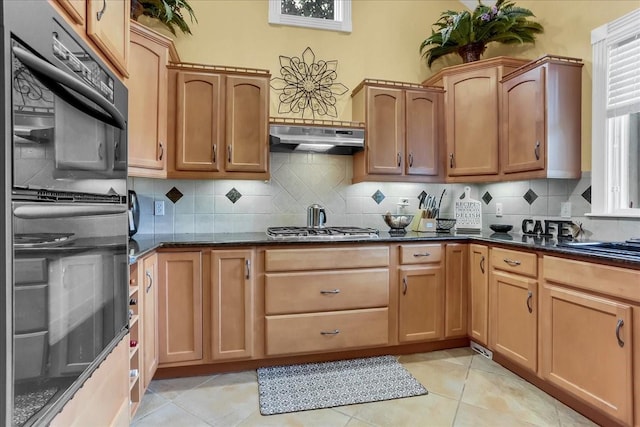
{"x": 471, "y": 52}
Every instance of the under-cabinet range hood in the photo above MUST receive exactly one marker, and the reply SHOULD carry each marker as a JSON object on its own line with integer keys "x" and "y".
{"x": 315, "y": 136}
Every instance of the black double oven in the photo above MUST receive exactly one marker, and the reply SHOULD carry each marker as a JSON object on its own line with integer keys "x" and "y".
{"x": 64, "y": 222}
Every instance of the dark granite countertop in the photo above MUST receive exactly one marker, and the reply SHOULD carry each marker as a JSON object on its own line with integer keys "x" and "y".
{"x": 142, "y": 244}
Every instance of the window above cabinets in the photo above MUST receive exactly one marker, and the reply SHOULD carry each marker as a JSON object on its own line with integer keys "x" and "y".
{"x": 320, "y": 14}
{"x": 616, "y": 118}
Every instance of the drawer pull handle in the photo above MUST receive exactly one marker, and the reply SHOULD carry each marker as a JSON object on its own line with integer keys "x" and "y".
{"x": 334, "y": 291}
{"x": 451, "y": 160}
{"x": 529, "y": 297}
{"x": 247, "y": 266}
{"x": 399, "y": 159}
{"x": 214, "y": 150}
{"x": 536, "y": 150}
{"x": 334, "y": 332}
{"x": 229, "y": 154}
{"x": 618, "y": 326}
{"x": 405, "y": 286}
{"x": 418, "y": 255}
{"x": 512, "y": 262}
{"x": 410, "y": 160}
{"x": 482, "y": 264}
{"x": 161, "y": 151}
{"x": 150, "y": 277}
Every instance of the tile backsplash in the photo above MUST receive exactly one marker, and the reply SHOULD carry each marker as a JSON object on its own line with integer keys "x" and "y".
{"x": 298, "y": 180}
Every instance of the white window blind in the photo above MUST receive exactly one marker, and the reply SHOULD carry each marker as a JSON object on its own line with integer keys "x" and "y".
{"x": 623, "y": 78}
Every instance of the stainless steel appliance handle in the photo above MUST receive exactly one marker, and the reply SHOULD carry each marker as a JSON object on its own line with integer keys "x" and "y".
{"x": 49, "y": 72}
{"x": 60, "y": 210}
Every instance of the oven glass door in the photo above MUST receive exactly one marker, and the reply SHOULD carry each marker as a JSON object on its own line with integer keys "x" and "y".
{"x": 68, "y": 135}
{"x": 70, "y": 296}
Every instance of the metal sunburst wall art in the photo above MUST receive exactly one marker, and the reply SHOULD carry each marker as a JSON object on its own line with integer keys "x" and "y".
{"x": 308, "y": 87}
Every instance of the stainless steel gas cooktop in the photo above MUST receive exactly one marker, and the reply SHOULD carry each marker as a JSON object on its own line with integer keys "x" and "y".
{"x": 323, "y": 233}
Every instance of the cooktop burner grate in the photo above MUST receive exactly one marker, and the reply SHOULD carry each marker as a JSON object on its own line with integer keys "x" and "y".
{"x": 303, "y": 233}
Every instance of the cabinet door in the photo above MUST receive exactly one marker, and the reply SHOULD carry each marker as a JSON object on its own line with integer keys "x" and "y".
{"x": 232, "y": 304}
{"x": 456, "y": 290}
{"x": 423, "y": 111}
{"x": 179, "y": 307}
{"x": 514, "y": 318}
{"x": 147, "y": 102}
{"x": 471, "y": 113}
{"x": 587, "y": 348}
{"x": 385, "y": 130}
{"x": 149, "y": 292}
{"x": 199, "y": 121}
{"x": 108, "y": 27}
{"x": 76, "y": 9}
{"x": 247, "y": 123}
{"x": 479, "y": 293}
{"x": 76, "y": 321}
{"x": 523, "y": 141}
{"x": 421, "y": 304}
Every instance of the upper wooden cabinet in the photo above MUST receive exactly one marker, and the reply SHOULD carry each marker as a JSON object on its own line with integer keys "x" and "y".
{"x": 108, "y": 27}
{"x": 218, "y": 123}
{"x": 471, "y": 104}
{"x": 103, "y": 24}
{"x": 148, "y": 86}
{"x": 403, "y": 125}
{"x": 540, "y": 120}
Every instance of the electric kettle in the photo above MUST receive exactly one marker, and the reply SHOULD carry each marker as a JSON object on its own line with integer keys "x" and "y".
{"x": 316, "y": 216}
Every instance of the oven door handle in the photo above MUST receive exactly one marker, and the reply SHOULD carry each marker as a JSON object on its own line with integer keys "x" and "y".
{"x": 50, "y": 73}
{"x": 62, "y": 210}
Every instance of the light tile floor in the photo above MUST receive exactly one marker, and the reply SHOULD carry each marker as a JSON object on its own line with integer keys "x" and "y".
{"x": 465, "y": 389}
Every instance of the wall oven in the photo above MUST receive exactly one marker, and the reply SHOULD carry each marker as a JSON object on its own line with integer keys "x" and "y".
{"x": 65, "y": 218}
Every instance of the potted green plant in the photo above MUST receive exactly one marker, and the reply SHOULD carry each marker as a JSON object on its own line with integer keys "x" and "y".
{"x": 168, "y": 12}
{"x": 468, "y": 33}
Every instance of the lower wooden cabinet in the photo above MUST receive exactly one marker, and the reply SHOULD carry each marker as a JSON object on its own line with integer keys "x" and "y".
{"x": 421, "y": 303}
{"x": 180, "y": 299}
{"x": 479, "y": 293}
{"x": 149, "y": 292}
{"x": 514, "y": 318}
{"x": 232, "y": 278}
{"x": 587, "y": 339}
{"x": 456, "y": 290}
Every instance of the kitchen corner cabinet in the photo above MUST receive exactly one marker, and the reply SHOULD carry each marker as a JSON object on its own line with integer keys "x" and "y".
{"x": 232, "y": 281}
{"x": 513, "y": 306}
{"x": 421, "y": 293}
{"x": 403, "y": 125}
{"x": 471, "y": 105}
{"x": 587, "y": 338}
{"x": 180, "y": 307}
{"x": 540, "y": 119}
{"x": 148, "y": 89}
{"x": 218, "y": 125}
{"x": 104, "y": 24}
{"x": 479, "y": 293}
{"x": 456, "y": 290}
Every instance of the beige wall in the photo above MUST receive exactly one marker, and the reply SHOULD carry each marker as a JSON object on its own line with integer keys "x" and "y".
{"x": 385, "y": 40}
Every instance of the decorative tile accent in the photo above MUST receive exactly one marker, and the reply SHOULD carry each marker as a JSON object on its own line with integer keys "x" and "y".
{"x": 486, "y": 197}
{"x": 174, "y": 195}
{"x": 587, "y": 194}
{"x": 233, "y": 195}
{"x": 378, "y": 196}
{"x": 530, "y": 196}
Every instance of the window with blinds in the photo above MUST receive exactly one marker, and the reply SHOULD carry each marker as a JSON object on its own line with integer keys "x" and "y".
{"x": 615, "y": 187}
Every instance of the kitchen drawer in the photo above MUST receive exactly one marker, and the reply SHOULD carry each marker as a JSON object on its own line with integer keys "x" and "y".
{"x": 614, "y": 281}
{"x": 324, "y": 258}
{"x": 30, "y": 354}
{"x": 524, "y": 263}
{"x": 302, "y": 333}
{"x": 326, "y": 290}
{"x": 420, "y": 254}
{"x": 30, "y": 270}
